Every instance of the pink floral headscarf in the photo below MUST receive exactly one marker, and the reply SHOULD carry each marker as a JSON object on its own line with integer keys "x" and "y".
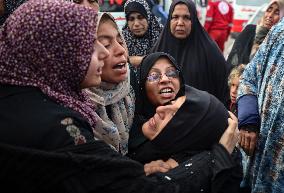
{"x": 48, "y": 44}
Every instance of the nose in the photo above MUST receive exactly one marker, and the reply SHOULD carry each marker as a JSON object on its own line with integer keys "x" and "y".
{"x": 119, "y": 49}
{"x": 164, "y": 78}
{"x": 180, "y": 21}
{"x": 136, "y": 22}
{"x": 234, "y": 89}
{"x": 103, "y": 52}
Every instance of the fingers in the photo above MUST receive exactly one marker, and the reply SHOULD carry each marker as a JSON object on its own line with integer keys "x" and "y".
{"x": 253, "y": 137}
{"x": 230, "y": 137}
{"x": 248, "y": 141}
{"x": 242, "y": 138}
{"x": 232, "y": 116}
{"x": 156, "y": 166}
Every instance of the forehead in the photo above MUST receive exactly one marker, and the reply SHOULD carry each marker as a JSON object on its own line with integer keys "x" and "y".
{"x": 273, "y": 6}
{"x": 162, "y": 64}
{"x": 135, "y": 14}
{"x": 107, "y": 28}
{"x": 235, "y": 80}
{"x": 181, "y": 9}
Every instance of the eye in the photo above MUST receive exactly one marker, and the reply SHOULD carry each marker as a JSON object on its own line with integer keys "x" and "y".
{"x": 77, "y": 1}
{"x": 140, "y": 17}
{"x": 172, "y": 74}
{"x": 187, "y": 17}
{"x": 120, "y": 41}
{"x": 131, "y": 18}
{"x": 174, "y": 17}
{"x": 153, "y": 77}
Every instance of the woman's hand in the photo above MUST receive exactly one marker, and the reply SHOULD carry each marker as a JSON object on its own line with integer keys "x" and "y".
{"x": 230, "y": 137}
{"x": 248, "y": 141}
{"x": 159, "y": 166}
{"x": 154, "y": 126}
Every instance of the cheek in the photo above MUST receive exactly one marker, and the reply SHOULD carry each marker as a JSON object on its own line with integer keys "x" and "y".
{"x": 176, "y": 84}
{"x": 145, "y": 23}
{"x": 188, "y": 27}
{"x": 106, "y": 71}
{"x": 276, "y": 19}
{"x": 150, "y": 93}
{"x": 130, "y": 24}
{"x": 172, "y": 26}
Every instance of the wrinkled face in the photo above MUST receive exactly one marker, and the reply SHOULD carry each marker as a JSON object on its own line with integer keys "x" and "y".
{"x": 89, "y": 3}
{"x": 162, "y": 84}
{"x": 137, "y": 24}
{"x": 271, "y": 15}
{"x": 115, "y": 68}
{"x": 180, "y": 22}
{"x": 93, "y": 76}
{"x": 234, "y": 89}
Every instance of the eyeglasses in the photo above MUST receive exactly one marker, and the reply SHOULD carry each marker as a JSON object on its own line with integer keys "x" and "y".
{"x": 156, "y": 77}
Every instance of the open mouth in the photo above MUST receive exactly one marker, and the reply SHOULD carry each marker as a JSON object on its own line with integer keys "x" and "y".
{"x": 166, "y": 91}
{"x": 120, "y": 66}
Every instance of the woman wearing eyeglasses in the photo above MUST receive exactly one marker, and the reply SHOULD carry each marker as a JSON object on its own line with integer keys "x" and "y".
{"x": 179, "y": 121}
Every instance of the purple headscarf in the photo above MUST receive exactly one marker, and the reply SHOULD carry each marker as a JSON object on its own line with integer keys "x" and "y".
{"x": 48, "y": 44}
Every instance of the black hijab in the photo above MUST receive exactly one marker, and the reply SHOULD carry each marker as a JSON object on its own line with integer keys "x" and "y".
{"x": 202, "y": 64}
{"x": 241, "y": 50}
{"x": 147, "y": 109}
{"x": 197, "y": 125}
{"x": 143, "y": 107}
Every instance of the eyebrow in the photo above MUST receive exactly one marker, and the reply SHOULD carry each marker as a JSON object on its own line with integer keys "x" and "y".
{"x": 108, "y": 37}
{"x": 157, "y": 69}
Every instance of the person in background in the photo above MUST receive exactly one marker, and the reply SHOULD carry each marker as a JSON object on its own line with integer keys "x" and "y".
{"x": 141, "y": 30}
{"x": 219, "y": 21}
{"x": 233, "y": 83}
{"x": 202, "y": 64}
{"x": 248, "y": 41}
{"x": 261, "y": 113}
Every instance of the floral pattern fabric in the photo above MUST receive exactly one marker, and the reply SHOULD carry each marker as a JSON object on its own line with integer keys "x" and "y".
{"x": 51, "y": 49}
{"x": 263, "y": 78}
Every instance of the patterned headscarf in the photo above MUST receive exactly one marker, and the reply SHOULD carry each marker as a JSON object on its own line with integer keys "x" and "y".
{"x": 263, "y": 78}
{"x": 115, "y": 105}
{"x": 140, "y": 46}
{"x": 48, "y": 44}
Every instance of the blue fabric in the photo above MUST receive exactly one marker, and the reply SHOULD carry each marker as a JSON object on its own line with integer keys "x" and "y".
{"x": 248, "y": 111}
{"x": 263, "y": 78}
{"x": 158, "y": 11}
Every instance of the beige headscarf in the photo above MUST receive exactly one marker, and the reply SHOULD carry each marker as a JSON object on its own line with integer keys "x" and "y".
{"x": 115, "y": 105}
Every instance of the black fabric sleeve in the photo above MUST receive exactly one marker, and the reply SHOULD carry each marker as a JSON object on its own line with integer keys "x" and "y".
{"x": 251, "y": 128}
{"x": 95, "y": 167}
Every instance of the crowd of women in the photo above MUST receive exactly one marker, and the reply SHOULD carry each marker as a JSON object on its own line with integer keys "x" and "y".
{"x": 86, "y": 107}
